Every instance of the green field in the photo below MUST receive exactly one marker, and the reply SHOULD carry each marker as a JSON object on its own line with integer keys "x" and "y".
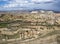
{"x": 3, "y": 25}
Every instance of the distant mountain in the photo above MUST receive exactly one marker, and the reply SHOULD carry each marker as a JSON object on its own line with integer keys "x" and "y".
{"x": 17, "y": 11}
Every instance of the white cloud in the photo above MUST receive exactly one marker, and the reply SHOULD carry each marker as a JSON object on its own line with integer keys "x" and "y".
{"x": 15, "y": 3}
{"x": 42, "y": 0}
{"x": 22, "y": 3}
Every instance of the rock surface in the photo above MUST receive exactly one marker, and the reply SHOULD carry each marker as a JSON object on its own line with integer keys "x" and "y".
{"x": 54, "y": 39}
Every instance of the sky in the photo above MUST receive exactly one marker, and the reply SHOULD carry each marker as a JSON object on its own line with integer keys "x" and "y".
{"x": 29, "y": 5}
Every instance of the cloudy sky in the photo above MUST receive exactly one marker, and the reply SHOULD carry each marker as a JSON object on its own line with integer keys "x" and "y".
{"x": 29, "y": 4}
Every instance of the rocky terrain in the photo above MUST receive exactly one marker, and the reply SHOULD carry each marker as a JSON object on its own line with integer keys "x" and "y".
{"x": 36, "y": 27}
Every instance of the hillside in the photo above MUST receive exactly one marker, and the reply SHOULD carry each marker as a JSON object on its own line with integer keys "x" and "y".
{"x": 21, "y": 26}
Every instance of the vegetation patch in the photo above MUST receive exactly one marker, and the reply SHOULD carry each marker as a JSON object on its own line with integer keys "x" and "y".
{"x": 3, "y": 25}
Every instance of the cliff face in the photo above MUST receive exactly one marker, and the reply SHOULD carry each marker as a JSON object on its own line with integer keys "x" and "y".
{"x": 46, "y": 40}
{"x": 30, "y": 28}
